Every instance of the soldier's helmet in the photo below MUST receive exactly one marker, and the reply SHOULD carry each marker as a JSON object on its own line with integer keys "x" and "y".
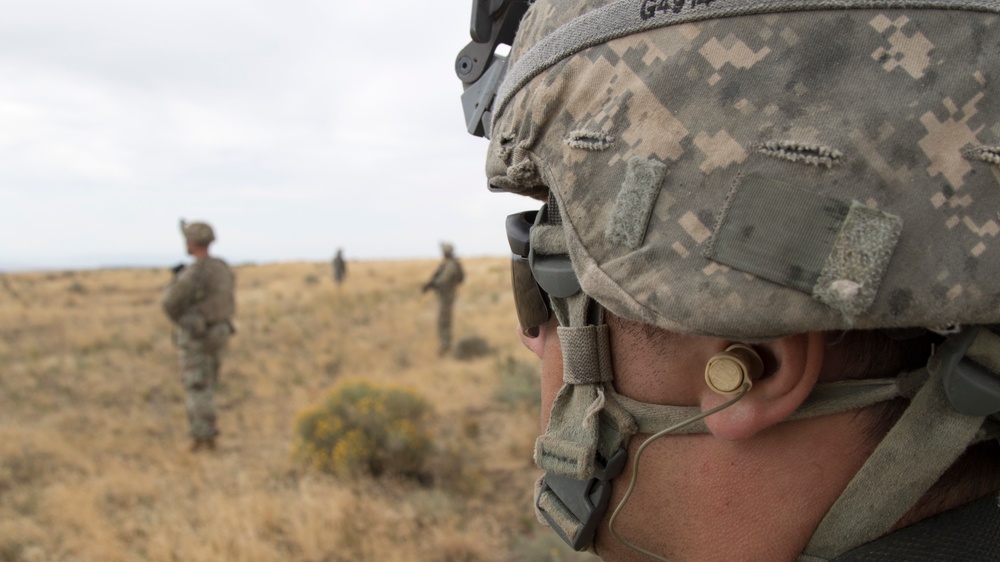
{"x": 200, "y": 233}
{"x": 447, "y": 249}
{"x": 750, "y": 170}
{"x": 757, "y": 174}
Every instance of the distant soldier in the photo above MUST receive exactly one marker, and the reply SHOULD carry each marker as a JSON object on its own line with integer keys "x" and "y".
{"x": 200, "y": 302}
{"x": 445, "y": 282}
{"x": 339, "y": 267}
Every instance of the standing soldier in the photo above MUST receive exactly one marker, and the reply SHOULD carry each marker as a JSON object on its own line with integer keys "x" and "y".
{"x": 199, "y": 301}
{"x": 339, "y": 267}
{"x": 445, "y": 281}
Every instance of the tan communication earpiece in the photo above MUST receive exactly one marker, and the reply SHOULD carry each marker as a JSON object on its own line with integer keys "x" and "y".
{"x": 727, "y": 371}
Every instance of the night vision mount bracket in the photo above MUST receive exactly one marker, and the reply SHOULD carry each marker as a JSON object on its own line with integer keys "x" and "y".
{"x": 478, "y": 66}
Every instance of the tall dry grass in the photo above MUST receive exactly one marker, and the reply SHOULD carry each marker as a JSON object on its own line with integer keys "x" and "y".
{"x": 94, "y": 460}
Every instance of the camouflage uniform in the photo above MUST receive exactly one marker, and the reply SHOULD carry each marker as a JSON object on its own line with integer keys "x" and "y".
{"x": 200, "y": 302}
{"x": 339, "y": 268}
{"x": 445, "y": 282}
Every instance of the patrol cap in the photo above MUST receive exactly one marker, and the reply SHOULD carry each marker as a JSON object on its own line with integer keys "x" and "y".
{"x": 750, "y": 170}
{"x": 200, "y": 233}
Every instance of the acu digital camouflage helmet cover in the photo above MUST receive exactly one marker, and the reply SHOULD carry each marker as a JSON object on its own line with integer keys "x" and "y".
{"x": 199, "y": 232}
{"x": 756, "y": 169}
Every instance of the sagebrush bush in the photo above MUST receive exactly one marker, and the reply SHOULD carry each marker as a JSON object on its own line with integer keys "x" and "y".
{"x": 360, "y": 428}
{"x": 472, "y": 347}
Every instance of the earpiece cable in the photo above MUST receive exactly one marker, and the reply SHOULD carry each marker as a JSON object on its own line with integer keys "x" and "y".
{"x": 635, "y": 467}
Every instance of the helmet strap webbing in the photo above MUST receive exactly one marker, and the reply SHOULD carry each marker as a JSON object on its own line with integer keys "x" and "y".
{"x": 920, "y": 447}
{"x": 590, "y": 423}
{"x": 580, "y": 424}
{"x": 581, "y": 430}
{"x": 825, "y": 399}
{"x": 582, "y": 448}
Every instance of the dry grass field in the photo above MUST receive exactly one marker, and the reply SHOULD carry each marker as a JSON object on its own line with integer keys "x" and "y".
{"x": 94, "y": 459}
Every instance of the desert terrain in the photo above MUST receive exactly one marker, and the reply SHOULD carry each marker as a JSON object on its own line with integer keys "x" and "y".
{"x": 94, "y": 453}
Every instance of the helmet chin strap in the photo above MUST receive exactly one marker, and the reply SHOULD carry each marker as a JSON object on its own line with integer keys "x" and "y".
{"x": 590, "y": 424}
{"x": 635, "y": 467}
{"x": 584, "y": 446}
{"x": 929, "y": 437}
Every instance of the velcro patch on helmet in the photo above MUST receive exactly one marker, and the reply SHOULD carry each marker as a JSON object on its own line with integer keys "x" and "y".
{"x": 858, "y": 259}
{"x": 634, "y": 203}
{"x": 835, "y": 251}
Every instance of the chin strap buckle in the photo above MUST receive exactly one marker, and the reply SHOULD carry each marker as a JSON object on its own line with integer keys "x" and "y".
{"x": 575, "y": 507}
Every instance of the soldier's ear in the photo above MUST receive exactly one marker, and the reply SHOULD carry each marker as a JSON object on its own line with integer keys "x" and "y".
{"x": 792, "y": 366}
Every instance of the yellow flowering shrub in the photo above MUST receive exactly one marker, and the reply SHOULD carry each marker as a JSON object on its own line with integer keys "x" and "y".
{"x": 368, "y": 429}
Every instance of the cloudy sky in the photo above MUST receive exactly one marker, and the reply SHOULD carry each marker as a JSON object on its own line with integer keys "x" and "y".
{"x": 293, "y": 126}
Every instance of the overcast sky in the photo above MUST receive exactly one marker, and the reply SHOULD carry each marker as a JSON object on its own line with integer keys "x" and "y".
{"x": 293, "y": 126}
